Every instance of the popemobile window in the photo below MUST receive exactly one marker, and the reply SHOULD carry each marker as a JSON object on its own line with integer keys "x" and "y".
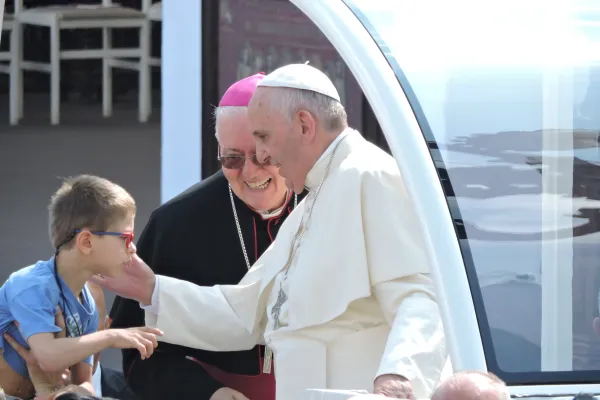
{"x": 262, "y": 35}
{"x": 507, "y": 95}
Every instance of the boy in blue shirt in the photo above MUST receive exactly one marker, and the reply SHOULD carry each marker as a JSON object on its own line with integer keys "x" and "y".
{"x": 91, "y": 228}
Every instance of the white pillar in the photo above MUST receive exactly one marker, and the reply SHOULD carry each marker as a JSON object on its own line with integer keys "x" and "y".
{"x": 557, "y": 190}
{"x": 557, "y": 253}
{"x": 181, "y": 132}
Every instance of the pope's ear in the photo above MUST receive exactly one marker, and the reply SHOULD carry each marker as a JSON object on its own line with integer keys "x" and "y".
{"x": 308, "y": 125}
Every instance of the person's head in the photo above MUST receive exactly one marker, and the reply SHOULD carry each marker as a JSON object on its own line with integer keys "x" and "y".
{"x": 93, "y": 219}
{"x": 258, "y": 185}
{"x": 472, "y": 385}
{"x": 73, "y": 392}
{"x": 294, "y": 115}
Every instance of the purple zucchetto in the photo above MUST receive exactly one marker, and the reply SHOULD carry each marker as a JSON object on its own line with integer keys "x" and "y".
{"x": 240, "y": 93}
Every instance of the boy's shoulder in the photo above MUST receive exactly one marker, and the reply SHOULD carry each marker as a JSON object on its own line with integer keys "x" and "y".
{"x": 40, "y": 274}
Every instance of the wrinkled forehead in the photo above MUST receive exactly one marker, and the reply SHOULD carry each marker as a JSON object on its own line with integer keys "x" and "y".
{"x": 263, "y": 110}
{"x": 257, "y": 102}
{"x": 264, "y": 100}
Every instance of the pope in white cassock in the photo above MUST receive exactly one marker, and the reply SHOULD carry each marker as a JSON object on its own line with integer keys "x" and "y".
{"x": 343, "y": 297}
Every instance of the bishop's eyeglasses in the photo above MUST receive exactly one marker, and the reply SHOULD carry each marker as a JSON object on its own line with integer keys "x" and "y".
{"x": 238, "y": 161}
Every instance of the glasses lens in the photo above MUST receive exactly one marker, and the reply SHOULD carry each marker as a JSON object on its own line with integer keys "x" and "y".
{"x": 232, "y": 162}
{"x": 128, "y": 239}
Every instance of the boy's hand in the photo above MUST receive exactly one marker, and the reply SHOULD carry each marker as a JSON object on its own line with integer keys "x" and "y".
{"x": 142, "y": 338}
{"x": 44, "y": 382}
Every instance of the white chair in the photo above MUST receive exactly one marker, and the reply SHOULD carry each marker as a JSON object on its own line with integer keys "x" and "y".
{"x": 9, "y": 65}
{"x": 153, "y": 13}
{"x": 104, "y": 15}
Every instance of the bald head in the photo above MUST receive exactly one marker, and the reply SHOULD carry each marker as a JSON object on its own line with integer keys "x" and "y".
{"x": 472, "y": 386}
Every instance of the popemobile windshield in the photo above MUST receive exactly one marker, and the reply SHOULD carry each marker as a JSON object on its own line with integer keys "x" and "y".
{"x": 492, "y": 111}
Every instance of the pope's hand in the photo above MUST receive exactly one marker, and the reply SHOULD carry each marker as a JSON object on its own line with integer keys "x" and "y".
{"x": 227, "y": 394}
{"x": 393, "y": 386}
{"x": 136, "y": 282}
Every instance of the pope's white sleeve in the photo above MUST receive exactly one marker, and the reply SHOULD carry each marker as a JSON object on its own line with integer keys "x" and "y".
{"x": 416, "y": 347}
{"x": 209, "y": 318}
{"x": 152, "y": 308}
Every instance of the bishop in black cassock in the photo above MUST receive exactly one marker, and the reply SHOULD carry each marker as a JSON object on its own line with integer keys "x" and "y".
{"x": 194, "y": 237}
{"x": 197, "y": 237}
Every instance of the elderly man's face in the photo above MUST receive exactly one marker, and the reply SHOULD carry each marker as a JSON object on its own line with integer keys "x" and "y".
{"x": 260, "y": 187}
{"x": 278, "y": 140}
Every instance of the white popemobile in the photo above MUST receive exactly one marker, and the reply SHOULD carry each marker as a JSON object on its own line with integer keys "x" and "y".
{"x": 492, "y": 111}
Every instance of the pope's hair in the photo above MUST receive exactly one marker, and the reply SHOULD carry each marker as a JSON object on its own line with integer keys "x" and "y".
{"x": 329, "y": 112}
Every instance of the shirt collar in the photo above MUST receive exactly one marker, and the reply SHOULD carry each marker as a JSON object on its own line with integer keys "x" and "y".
{"x": 277, "y": 212}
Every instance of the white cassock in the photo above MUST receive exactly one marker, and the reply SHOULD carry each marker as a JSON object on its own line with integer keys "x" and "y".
{"x": 360, "y": 300}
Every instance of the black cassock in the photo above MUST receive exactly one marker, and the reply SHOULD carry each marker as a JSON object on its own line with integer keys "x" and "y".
{"x": 194, "y": 237}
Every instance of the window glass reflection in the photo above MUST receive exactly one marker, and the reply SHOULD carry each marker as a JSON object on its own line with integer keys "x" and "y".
{"x": 510, "y": 96}
{"x": 262, "y": 35}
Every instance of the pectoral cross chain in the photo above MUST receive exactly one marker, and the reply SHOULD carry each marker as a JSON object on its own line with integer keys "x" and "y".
{"x": 282, "y": 296}
{"x": 275, "y": 312}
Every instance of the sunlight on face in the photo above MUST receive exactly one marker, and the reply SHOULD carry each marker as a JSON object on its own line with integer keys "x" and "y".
{"x": 277, "y": 139}
{"x": 261, "y": 188}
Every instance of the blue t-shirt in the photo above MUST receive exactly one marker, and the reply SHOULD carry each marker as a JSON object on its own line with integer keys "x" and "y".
{"x": 31, "y": 297}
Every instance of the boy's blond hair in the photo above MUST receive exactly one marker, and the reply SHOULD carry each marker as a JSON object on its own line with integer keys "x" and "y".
{"x": 87, "y": 201}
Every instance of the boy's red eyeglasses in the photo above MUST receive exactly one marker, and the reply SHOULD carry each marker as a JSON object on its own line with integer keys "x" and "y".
{"x": 128, "y": 236}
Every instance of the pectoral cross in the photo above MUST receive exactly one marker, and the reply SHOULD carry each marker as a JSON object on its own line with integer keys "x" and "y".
{"x": 275, "y": 312}
{"x": 282, "y": 296}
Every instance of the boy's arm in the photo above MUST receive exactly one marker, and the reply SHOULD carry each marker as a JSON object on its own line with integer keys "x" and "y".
{"x": 46, "y": 384}
{"x": 35, "y": 316}
{"x": 34, "y": 312}
{"x": 81, "y": 375}
{"x": 56, "y": 354}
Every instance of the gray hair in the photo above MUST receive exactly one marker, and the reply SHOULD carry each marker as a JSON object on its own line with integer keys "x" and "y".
{"x": 225, "y": 112}
{"x": 328, "y": 111}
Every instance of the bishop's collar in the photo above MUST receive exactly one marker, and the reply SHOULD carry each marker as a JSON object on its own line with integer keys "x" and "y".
{"x": 277, "y": 212}
{"x": 318, "y": 170}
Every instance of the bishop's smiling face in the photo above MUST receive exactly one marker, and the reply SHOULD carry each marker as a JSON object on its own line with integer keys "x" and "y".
{"x": 260, "y": 187}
